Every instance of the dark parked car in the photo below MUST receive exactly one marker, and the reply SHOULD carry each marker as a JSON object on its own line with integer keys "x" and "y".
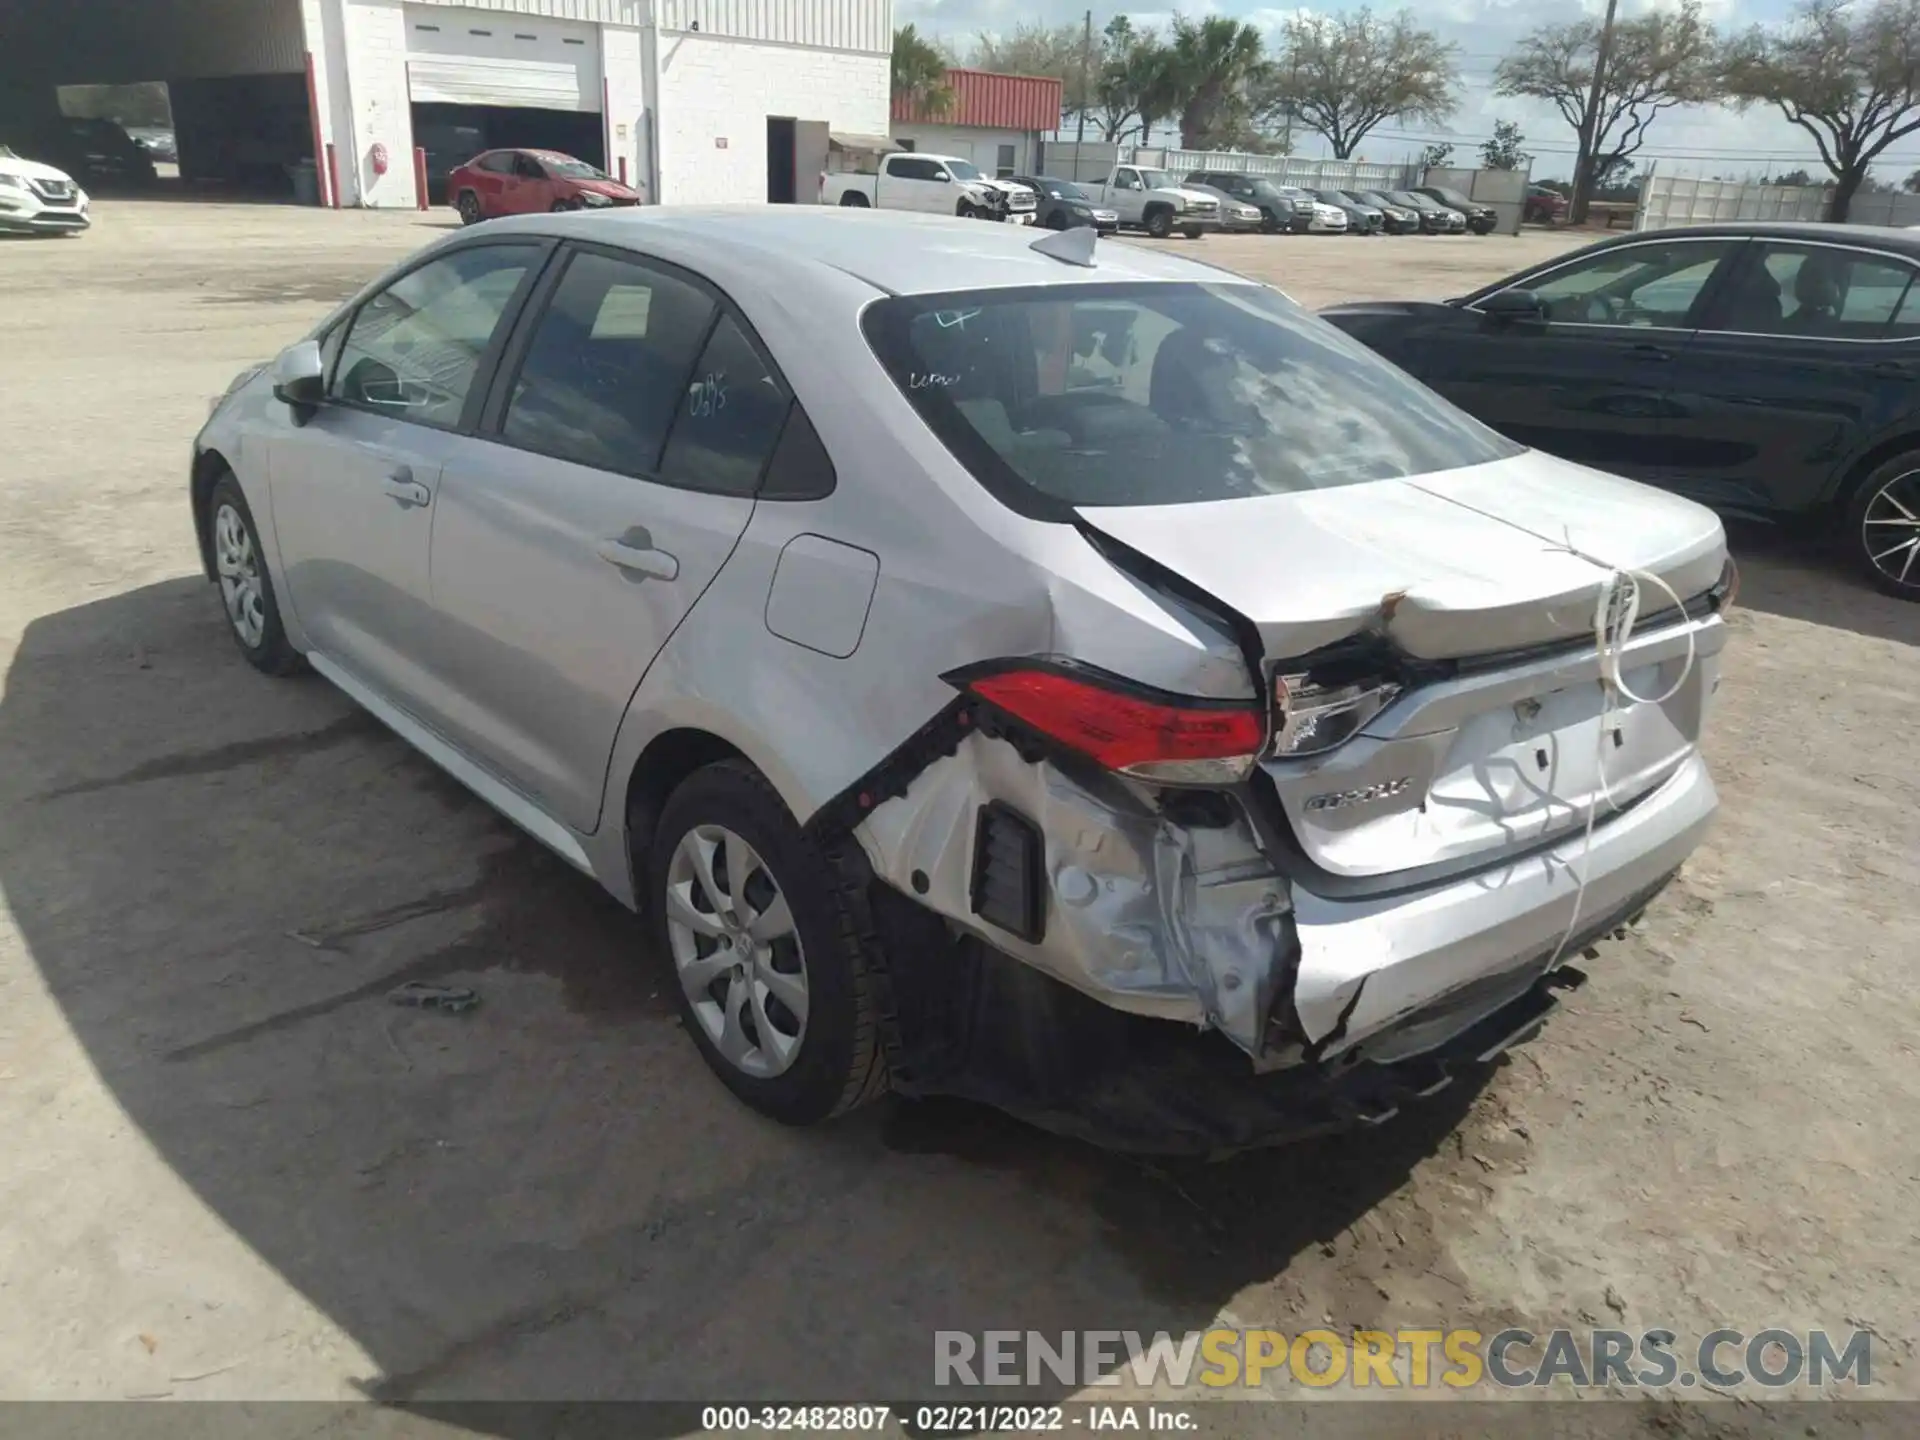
{"x": 1281, "y": 213}
{"x": 1063, "y": 205}
{"x": 1362, "y": 218}
{"x": 97, "y": 153}
{"x": 1400, "y": 219}
{"x": 1767, "y": 370}
{"x": 1435, "y": 218}
{"x": 526, "y": 182}
{"x": 1481, "y": 219}
{"x": 1543, "y": 206}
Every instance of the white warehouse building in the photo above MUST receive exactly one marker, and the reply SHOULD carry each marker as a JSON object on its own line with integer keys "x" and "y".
{"x": 691, "y": 100}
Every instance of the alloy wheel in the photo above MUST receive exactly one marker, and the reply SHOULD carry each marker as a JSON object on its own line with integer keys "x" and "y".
{"x": 239, "y": 568}
{"x": 1890, "y": 529}
{"x": 736, "y": 950}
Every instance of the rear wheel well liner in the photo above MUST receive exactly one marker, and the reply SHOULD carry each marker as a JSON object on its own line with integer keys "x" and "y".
{"x": 1864, "y": 465}
{"x": 669, "y": 758}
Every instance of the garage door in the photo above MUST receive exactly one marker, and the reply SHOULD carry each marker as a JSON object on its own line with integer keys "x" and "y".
{"x": 488, "y": 57}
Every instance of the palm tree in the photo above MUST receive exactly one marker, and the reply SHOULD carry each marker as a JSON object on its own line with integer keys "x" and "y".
{"x": 920, "y": 73}
{"x": 1210, "y": 63}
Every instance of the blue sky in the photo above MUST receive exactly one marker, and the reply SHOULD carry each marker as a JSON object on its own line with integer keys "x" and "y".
{"x": 1699, "y": 141}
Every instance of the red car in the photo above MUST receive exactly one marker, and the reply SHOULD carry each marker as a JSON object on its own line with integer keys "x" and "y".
{"x": 522, "y": 182}
{"x": 1544, "y": 206}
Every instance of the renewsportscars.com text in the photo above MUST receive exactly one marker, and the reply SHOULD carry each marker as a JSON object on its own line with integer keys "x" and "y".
{"x": 1412, "y": 1359}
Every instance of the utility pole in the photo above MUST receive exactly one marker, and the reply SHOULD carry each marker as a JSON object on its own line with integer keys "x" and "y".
{"x": 1086, "y": 95}
{"x": 1590, "y": 122}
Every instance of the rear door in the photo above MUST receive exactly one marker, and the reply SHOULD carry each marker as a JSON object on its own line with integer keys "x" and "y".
{"x": 1811, "y": 351}
{"x": 618, "y": 459}
{"x": 1589, "y": 381}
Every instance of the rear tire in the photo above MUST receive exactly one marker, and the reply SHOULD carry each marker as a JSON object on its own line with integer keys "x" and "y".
{"x": 469, "y": 207}
{"x": 810, "y": 1066}
{"x": 1882, "y": 527}
{"x": 854, "y": 200}
{"x": 1192, "y": 232}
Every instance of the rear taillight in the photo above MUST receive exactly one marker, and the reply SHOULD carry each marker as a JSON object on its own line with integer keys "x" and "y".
{"x": 1147, "y": 734}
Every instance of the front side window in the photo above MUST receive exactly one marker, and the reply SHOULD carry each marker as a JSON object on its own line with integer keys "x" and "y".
{"x": 608, "y": 365}
{"x": 1824, "y": 291}
{"x": 1125, "y": 180}
{"x": 497, "y": 163}
{"x": 914, "y": 169}
{"x": 1636, "y": 285}
{"x": 1144, "y": 394}
{"x": 413, "y": 349}
{"x": 528, "y": 168}
{"x": 963, "y": 170}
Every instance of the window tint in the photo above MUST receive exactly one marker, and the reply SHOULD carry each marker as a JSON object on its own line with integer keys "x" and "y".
{"x": 800, "y": 469}
{"x": 498, "y": 163}
{"x": 1635, "y": 285}
{"x": 413, "y": 349}
{"x": 1906, "y": 320}
{"x": 528, "y": 168}
{"x": 1161, "y": 394}
{"x": 1818, "y": 290}
{"x": 729, "y": 418}
{"x": 908, "y": 169}
{"x": 608, "y": 365}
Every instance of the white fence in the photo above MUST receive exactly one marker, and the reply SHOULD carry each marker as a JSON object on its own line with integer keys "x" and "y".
{"x": 1091, "y": 162}
{"x": 1670, "y": 201}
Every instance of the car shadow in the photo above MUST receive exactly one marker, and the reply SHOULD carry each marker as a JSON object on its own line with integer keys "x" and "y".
{"x": 1784, "y": 573}
{"x": 219, "y": 879}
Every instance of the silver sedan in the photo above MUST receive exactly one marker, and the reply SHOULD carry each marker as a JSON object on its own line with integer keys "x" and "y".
{"x": 1044, "y": 670}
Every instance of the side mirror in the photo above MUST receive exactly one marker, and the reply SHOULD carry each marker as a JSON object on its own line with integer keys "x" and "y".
{"x": 1511, "y": 305}
{"x": 299, "y": 375}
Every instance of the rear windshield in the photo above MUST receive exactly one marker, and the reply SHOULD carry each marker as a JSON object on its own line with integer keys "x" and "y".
{"x": 1160, "y": 394}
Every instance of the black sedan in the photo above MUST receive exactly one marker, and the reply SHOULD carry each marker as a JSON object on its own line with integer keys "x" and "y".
{"x": 1481, "y": 219}
{"x": 1767, "y": 370}
{"x": 1065, "y": 206}
{"x": 1435, "y": 218}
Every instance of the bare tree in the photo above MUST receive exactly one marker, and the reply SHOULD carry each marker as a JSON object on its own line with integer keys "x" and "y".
{"x": 1848, "y": 75}
{"x": 1342, "y": 75}
{"x": 1657, "y": 61}
{"x": 1051, "y": 52}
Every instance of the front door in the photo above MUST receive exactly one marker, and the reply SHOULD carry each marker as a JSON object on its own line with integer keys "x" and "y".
{"x": 613, "y": 475}
{"x": 1589, "y": 379}
{"x": 529, "y": 190}
{"x": 1810, "y": 348}
{"x": 354, "y": 488}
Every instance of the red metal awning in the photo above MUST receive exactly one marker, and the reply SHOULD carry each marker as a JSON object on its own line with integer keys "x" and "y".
{"x": 995, "y": 102}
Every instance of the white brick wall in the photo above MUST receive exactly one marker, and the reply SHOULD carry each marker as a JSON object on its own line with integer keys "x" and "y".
{"x": 717, "y": 89}
{"x": 360, "y": 73}
{"x": 623, "y": 54}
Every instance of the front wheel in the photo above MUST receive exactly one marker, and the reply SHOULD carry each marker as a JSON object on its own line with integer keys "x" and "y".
{"x": 1159, "y": 223}
{"x": 246, "y": 589}
{"x": 469, "y": 207}
{"x": 771, "y": 983}
{"x": 1883, "y": 527}
{"x": 1192, "y": 232}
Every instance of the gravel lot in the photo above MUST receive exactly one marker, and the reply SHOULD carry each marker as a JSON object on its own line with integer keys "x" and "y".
{"x": 229, "y": 1169}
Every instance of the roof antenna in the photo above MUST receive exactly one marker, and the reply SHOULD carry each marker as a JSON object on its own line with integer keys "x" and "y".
{"x": 1071, "y": 247}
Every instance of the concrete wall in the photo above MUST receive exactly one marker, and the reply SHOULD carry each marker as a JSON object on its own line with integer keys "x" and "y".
{"x": 360, "y": 47}
{"x": 717, "y": 93}
{"x": 975, "y": 143}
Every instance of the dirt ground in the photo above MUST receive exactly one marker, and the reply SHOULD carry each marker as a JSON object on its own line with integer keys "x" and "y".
{"x": 229, "y": 1169}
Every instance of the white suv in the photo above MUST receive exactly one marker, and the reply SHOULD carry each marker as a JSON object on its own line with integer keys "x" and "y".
{"x": 36, "y": 197}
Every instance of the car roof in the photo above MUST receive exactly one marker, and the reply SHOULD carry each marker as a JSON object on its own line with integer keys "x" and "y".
{"x": 899, "y": 252}
{"x": 1873, "y": 236}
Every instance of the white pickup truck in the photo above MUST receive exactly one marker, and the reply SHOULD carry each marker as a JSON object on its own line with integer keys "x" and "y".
{"x": 933, "y": 184}
{"x": 1148, "y": 199}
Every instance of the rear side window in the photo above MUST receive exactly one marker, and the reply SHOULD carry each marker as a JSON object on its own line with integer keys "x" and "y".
{"x": 1145, "y": 394}
{"x": 498, "y": 163}
{"x": 1826, "y": 291}
{"x": 729, "y": 419}
{"x": 608, "y": 365}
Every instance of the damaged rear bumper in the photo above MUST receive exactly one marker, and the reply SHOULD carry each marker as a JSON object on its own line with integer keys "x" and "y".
{"x": 1044, "y": 926}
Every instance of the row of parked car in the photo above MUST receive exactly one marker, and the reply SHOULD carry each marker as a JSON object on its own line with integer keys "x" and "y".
{"x": 1253, "y": 202}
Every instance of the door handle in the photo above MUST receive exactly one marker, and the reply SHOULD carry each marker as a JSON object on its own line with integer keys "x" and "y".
{"x": 404, "y": 488}
{"x": 635, "y": 554}
{"x": 1649, "y": 352}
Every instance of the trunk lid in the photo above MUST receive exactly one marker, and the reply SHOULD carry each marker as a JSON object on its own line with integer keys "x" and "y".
{"x": 1491, "y": 757}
